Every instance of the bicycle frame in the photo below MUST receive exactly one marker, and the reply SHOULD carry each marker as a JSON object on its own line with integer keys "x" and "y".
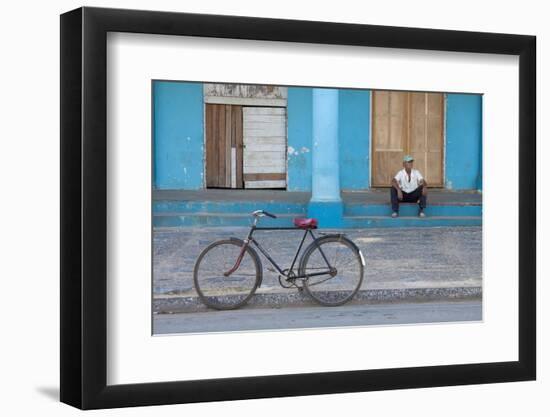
{"x": 250, "y": 238}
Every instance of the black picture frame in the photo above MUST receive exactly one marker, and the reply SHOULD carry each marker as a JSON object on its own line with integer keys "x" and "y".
{"x": 84, "y": 207}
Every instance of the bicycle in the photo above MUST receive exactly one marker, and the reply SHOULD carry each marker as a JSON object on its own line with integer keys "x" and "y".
{"x": 228, "y": 272}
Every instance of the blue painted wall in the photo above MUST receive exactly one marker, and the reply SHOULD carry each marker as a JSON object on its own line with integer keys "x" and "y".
{"x": 354, "y": 133}
{"x": 179, "y": 131}
{"x": 178, "y": 135}
{"x": 463, "y": 152}
{"x": 299, "y": 138}
{"x": 354, "y": 139}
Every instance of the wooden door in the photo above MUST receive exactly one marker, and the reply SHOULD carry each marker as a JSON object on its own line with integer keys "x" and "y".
{"x": 389, "y": 138}
{"x": 264, "y": 155}
{"x": 426, "y": 135}
{"x": 224, "y": 146}
{"x": 407, "y": 123}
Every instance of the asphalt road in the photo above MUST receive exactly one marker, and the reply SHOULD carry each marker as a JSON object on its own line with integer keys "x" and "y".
{"x": 313, "y": 317}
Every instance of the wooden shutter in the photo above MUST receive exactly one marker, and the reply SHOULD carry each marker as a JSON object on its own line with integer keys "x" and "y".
{"x": 426, "y": 135}
{"x": 264, "y": 154}
{"x": 407, "y": 123}
{"x": 224, "y": 146}
{"x": 390, "y": 130}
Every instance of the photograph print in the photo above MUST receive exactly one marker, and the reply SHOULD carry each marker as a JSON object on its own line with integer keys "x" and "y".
{"x": 303, "y": 207}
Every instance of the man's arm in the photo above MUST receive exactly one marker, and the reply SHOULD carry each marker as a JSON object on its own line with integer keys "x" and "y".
{"x": 395, "y": 185}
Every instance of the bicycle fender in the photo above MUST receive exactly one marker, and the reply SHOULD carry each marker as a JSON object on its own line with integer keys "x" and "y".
{"x": 254, "y": 255}
{"x": 343, "y": 235}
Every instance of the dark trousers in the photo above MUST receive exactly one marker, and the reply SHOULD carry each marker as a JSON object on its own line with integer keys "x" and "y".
{"x": 412, "y": 197}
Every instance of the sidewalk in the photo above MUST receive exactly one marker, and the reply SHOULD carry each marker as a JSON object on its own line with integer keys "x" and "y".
{"x": 424, "y": 264}
{"x": 362, "y": 209}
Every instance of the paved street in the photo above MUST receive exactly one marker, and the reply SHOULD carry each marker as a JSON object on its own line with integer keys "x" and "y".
{"x": 441, "y": 257}
{"x": 312, "y": 317}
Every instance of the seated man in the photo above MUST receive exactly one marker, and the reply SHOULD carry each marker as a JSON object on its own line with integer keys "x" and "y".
{"x": 408, "y": 186}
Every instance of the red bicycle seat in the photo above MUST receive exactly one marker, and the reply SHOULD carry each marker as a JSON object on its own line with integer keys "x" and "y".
{"x": 303, "y": 223}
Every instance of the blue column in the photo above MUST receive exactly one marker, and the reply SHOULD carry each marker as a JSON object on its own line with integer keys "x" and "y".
{"x": 326, "y": 204}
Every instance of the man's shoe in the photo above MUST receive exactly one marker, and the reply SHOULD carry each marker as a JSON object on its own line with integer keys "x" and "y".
{"x": 421, "y": 213}
{"x": 394, "y": 214}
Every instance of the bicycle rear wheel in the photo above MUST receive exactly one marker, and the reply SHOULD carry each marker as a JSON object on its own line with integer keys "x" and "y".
{"x": 342, "y": 284}
{"x": 226, "y": 292}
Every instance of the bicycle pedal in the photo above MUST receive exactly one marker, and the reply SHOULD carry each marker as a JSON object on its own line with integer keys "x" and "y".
{"x": 270, "y": 269}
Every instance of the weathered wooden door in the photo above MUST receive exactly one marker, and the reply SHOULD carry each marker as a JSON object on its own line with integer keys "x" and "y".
{"x": 264, "y": 155}
{"x": 407, "y": 123}
{"x": 426, "y": 135}
{"x": 389, "y": 135}
{"x": 224, "y": 146}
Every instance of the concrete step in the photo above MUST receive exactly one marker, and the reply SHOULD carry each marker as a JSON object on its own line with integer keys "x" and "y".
{"x": 410, "y": 221}
{"x": 278, "y": 207}
{"x": 167, "y": 219}
{"x": 409, "y": 209}
{"x": 212, "y": 213}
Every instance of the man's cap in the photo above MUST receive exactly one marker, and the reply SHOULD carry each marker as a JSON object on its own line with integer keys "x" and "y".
{"x": 408, "y": 158}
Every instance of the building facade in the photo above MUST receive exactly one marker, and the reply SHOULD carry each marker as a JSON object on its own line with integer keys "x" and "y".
{"x": 316, "y": 140}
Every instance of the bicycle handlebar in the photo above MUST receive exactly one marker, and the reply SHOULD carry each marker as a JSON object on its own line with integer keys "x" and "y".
{"x": 263, "y": 213}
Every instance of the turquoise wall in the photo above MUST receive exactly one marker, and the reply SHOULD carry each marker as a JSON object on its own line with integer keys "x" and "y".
{"x": 463, "y": 151}
{"x": 179, "y": 151}
{"x": 299, "y": 130}
{"x": 354, "y": 134}
{"x": 354, "y": 139}
{"x": 178, "y": 135}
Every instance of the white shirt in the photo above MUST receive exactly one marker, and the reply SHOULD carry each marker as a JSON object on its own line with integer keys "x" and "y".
{"x": 405, "y": 184}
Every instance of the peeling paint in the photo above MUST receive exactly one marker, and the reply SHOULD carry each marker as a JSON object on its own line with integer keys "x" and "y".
{"x": 299, "y": 136}
{"x": 245, "y": 91}
{"x": 294, "y": 152}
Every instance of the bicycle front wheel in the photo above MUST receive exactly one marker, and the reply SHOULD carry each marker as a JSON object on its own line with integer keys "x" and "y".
{"x": 218, "y": 290}
{"x": 339, "y": 268}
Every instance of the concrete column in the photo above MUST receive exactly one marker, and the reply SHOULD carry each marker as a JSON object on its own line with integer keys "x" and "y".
{"x": 326, "y": 204}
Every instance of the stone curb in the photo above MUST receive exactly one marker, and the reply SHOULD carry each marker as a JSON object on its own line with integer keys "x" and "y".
{"x": 173, "y": 305}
